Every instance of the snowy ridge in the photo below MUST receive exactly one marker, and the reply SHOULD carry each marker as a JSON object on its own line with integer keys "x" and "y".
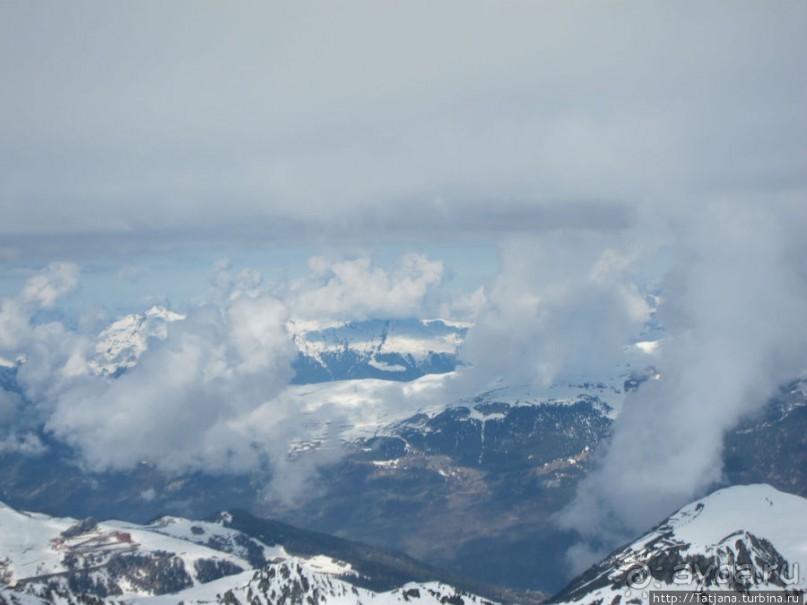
{"x": 361, "y": 409}
{"x": 292, "y": 582}
{"x": 171, "y": 560}
{"x": 525, "y": 396}
{"x": 387, "y": 346}
{"x": 750, "y": 537}
{"x": 36, "y": 549}
{"x": 414, "y": 337}
{"x": 401, "y": 349}
{"x": 342, "y": 348}
{"x": 216, "y": 536}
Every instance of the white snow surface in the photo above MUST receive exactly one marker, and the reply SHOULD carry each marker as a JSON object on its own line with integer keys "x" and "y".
{"x": 201, "y": 532}
{"x": 759, "y": 509}
{"x": 33, "y": 547}
{"x": 709, "y": 527}
{"x": 121, "y": 344}
{"x": 269, "y": 585}
{"x": 25, "y": 548}
{"x": 410, "y": 338}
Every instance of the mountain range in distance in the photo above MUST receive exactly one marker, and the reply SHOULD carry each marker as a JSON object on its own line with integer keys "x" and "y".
{"x": 392, "y": 349}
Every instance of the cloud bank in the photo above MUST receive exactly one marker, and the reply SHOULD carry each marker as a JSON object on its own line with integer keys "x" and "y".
{"x": 153, "y": 126}
{"x": 176, "y": 406}
{"x": 564, "y": 302}
{"x": 354, "y": 289}
{"x": 733, "y": 309}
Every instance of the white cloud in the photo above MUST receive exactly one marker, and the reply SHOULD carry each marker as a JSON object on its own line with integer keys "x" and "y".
{"x": 53, "y": 356}
{"x": 51, "y": 284}
{"x": 357, "y": 289}
{"x": 47, "y": 347}
{"x": 257, "y": 328}
{"x": 27, "y": 443}
{"x": 564, "y": 302}
{"x": 177, "y": 406}
{"x": 732, "y": 309}
{"x": 40, "y": 291}
{"x": 13, "y": 326}
{"x": 288, "y": 123}
{"x": 466, "y": 306}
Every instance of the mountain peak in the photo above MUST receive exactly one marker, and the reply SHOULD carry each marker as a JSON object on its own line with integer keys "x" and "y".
{"x": 738, "y": 538}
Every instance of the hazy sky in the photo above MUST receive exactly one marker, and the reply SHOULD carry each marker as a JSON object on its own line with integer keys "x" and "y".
{"x": 165, "y": 136}
{"x": 131, "y": 126}
{"x": 527, "y": 164}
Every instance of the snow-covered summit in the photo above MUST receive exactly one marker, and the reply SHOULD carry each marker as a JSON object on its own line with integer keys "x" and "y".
{"x": 757, "y": 509}
{"x": 292, "y": 582}
{"x": 45, "y": 559}
{"x": 121, "y": 344}
{"x": 745, "y": 537}
{"x": 406, "y": 336}
{"x": 396, "y": 349}
{"x": 401, "y": 349}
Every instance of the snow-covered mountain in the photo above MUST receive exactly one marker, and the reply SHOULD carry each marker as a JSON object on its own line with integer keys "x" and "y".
{"x": 397, "y": 349}
{"x": 750, "y": 537}
{"x": 121, "y": 344}
{"x": 46, "y": 560}
{"x": 293, "y": 582}
{"x": 387, "y": 349}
